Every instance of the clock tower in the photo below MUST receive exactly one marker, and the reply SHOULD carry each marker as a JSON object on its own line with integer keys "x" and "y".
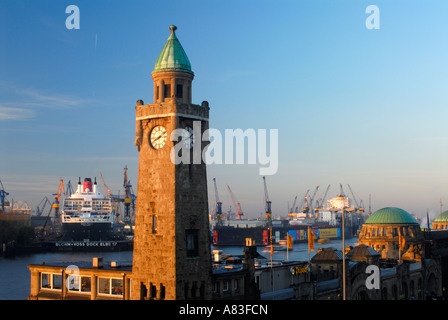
{"x": 171, "y": 258}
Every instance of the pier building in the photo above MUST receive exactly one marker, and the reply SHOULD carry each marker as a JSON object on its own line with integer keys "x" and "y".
{"x": 393, "y": 233}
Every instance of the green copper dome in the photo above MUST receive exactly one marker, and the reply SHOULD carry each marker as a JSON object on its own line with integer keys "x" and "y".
{"x": 443, "y": 217}
{"x": 173, "y": 56}
{"x": 391, "y": 215}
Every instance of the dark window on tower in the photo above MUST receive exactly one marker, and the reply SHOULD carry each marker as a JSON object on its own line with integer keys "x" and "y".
{"x": 179, "y": 92}
{"x": 143, "y": 291}
{"x": 202, "y": 290}
{"x": 166, "y": 91}
{"x": 152, "y": 292}
{"x": 162, "y": 292}
{"x": 194, "y": 288}
{"x": 154, "y": 224}
{"x": 158, "y": 93}
{"x": 192, "y": 242}
{"x": 186, "y": 290}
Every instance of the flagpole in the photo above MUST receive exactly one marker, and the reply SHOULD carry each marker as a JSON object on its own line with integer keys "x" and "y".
{"x": 343, "y": 254}
{"x": 309, "y": 249}
{"x": 272, "y": 270}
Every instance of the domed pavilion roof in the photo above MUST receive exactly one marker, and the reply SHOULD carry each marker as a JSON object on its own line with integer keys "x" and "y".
{"x": 391, "y": 215}
{"x": 443, "y": 217}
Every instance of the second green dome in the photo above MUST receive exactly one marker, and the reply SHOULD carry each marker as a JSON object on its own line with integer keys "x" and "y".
{"x": 443, "y": 217}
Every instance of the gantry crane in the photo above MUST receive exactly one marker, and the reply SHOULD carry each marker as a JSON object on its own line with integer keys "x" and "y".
{"x": 237, "y": 205}
{"x": 218, "y": 205}
{"x": 268, "y": 208}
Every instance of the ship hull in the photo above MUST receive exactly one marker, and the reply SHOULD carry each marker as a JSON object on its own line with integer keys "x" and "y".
{"x": 81, "y": 231}
{"x": 234, "y": 236}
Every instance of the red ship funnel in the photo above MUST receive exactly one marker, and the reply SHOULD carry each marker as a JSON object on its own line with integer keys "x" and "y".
{"x": 87, "y": 185}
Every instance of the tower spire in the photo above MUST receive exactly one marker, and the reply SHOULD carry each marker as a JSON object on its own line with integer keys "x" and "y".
{"x": 172, "y": 73}
{"x": 173, "y": 56}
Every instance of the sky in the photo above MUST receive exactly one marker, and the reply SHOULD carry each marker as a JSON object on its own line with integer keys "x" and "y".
{"x": 352, "y": 105}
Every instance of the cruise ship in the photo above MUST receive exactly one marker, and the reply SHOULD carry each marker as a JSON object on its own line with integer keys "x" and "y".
{"x": 87, "y": 215}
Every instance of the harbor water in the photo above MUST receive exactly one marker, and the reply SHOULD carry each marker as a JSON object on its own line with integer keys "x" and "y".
{"x": 15, "y": 275}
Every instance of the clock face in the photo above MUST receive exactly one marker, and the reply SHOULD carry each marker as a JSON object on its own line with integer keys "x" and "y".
{"x": 158, "y": 137}
{"x": 188, "y": 137}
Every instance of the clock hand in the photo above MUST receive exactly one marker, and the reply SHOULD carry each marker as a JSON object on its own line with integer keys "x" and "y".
{"x": 160, "y": 136}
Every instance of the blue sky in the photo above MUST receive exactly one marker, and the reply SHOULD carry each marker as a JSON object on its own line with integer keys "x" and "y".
{"x": 352, "y": 105}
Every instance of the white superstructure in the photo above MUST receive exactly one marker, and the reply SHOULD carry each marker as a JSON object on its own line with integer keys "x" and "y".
{"x": 87, "y": 212}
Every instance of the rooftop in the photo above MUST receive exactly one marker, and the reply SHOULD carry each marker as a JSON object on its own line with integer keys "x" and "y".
{"x": 328, "y": 254}
{"x": 364, "y": 251}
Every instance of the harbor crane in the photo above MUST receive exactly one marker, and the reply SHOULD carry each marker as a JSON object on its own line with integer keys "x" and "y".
{"x": 354, "y": 198}
{"x": 360, "y": 205}
{"x": 69, "y": 189}
{"x": 302, "y": 202}
{"x": 218, "y": 204}
{"x": 3, "y": 195}
{"x": 105, "y": 188}
{"x": 237, "y": 205}
{"x": 309, "y": 202}
{"x": 129, "y": 196}
{"x": 312, "y": 198}
{"x": 291, "y": 211}
{"x": 342, "y": 194}
{"x": 268, "y": 209}
{"x": 322, "y": 201}
{"x": 42, "y": 235}
{"x": 57, "y": 198}
{"x": 39, "y": 211}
